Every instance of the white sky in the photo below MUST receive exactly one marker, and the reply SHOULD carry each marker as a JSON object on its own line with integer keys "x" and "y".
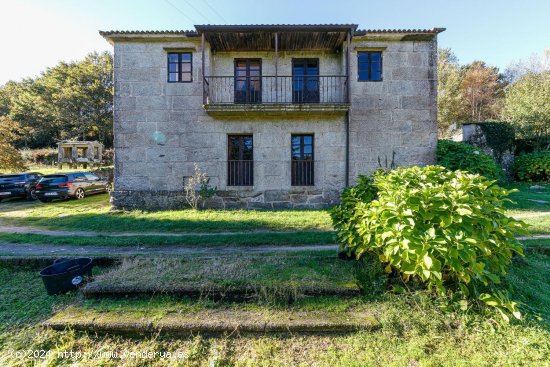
{"x": 37, "y": 34}
{"x": 35, "y": 37}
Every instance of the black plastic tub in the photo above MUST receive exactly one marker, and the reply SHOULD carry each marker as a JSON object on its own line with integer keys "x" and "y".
{"x": 66, "y": 274}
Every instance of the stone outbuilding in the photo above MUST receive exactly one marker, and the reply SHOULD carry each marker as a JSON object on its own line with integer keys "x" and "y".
{"x": 278, "y": 116}
{"x": 74, "y": 153}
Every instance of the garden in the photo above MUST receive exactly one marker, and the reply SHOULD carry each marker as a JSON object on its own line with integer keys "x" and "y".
{"x": 435, "y": 265}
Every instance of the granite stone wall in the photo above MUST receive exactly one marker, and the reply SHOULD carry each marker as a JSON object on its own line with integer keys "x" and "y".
{"x": 398, "y": 114}
{"x": 161, "y": 129}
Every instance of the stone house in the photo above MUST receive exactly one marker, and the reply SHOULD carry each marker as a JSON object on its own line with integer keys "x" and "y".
{"x": 278, "y": 116}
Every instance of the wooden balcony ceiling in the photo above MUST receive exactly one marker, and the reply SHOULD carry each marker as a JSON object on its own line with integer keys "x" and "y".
{"x": 262, "y": 37}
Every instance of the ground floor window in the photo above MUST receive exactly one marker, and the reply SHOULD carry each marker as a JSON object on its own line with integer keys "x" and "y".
{"x": 302, "y": 160}
{"x": 240, "y": 160}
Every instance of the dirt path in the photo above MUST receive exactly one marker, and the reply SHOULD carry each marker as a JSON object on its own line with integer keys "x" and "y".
{"x": 13, "y": 249}
{"x": 27, "y": 249}
{"x": 534, "y": 237}
{"x": 6, "y": 228}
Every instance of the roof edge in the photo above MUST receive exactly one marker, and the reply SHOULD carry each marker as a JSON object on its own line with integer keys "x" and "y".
{"x": 111, "y": 36}
{"x": 274, "y": 27}
{"x": 362, "y": 32}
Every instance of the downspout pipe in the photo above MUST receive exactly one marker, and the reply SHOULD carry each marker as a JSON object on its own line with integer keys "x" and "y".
{"x": 348, "y": 96}
{"x": 347, "y": 146}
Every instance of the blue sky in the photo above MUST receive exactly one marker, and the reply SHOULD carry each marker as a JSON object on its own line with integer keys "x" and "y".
{"x": 39, "y": 33}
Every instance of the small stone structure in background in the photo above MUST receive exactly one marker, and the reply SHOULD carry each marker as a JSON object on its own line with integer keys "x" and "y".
{"x": 76, "y": 153}
{"x": 474, "y": 134}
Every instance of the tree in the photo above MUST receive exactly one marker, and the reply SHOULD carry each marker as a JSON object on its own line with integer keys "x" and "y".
{"x": 68, "y": 101}
{"x": 449, "y": 100}
{"x": 7, "y": 91}
{"x": 482, "y": 92}
{"x": 527, "y": 108}
{"x": 82, "y": 95}
{"x": 10, "y": 158}
{"x": 537, "y": 63}
{"x": 467, "y": 93}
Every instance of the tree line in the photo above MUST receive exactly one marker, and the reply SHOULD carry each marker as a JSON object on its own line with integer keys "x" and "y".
{"x": 478, "y": 92}
{"x": 72, "y": 100}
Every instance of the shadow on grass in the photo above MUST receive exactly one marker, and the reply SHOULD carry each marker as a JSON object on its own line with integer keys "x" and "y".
{"x": 93, "y": 214}
{"x": 249, "y": 239}
{"x": 529, "y": 200}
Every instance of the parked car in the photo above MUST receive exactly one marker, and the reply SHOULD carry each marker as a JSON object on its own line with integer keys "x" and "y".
{"x": 70, "y": 185}
{"x": 20, "y": 185}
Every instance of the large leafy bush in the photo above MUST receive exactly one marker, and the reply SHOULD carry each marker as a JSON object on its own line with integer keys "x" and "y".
{"x": 533, "y": 166}
{"x": 445, "y": 228}
{"x": 461, "y": 156}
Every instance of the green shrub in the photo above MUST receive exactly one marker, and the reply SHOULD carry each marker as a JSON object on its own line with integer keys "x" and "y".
{"x": 445, "y": 228}
{"x": 45, "y": 156}
{"x": 351, "y": 200}
{"x": 454, "y": 155}
{"x": 533, "y": 166}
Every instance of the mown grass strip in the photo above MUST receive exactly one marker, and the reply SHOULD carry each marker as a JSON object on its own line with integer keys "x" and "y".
{"x": 251, "y": 240}
{"x": 94, "y": 214}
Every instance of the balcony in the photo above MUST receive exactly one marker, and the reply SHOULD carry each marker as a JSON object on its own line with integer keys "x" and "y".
{"x": 327, "y": 94}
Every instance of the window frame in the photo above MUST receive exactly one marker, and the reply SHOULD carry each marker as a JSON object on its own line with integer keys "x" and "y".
{"x": 179, "y": 64}
{"x": 369, "y": 64}
{"x": 242, "y": 165}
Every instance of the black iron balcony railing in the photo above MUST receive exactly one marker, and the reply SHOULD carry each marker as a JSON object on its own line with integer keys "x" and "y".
{"x": 240, "y": 173}
{"x": 311, "y": 89}
{"x": 302, "y": 172}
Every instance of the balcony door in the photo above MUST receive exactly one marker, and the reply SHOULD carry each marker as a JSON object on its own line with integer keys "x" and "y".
{"x": 240, "y": 160}
{"x": 248, "y": 81}
{"x": 305, "y": 81}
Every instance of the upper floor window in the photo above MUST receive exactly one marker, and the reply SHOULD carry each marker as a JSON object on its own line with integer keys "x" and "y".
{"x": 180, "y": 67}
{"x": 369, "y": 66}
{"x": 248, "y": 81}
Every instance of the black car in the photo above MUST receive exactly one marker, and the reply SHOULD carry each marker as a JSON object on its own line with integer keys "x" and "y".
{"x": 70, "y": 185}
{"x": 21, "y": 185}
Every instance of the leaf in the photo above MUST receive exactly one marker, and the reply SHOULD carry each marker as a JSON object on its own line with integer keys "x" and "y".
{"x": 426, "y": 274}
{"x": 446, "y": 221}
{"x": 428, "y": 261}
{"x": 464, "y": 211}
{"x": 503, "y": 315}
{"x": 464, "y": 289}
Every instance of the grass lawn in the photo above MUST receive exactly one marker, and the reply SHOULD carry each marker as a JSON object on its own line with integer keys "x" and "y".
{"x": 530, "y": 200}
{"x": 252, "y": 239}
{"x": 413, "y": 331}
{"x": 93, "y": 214}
